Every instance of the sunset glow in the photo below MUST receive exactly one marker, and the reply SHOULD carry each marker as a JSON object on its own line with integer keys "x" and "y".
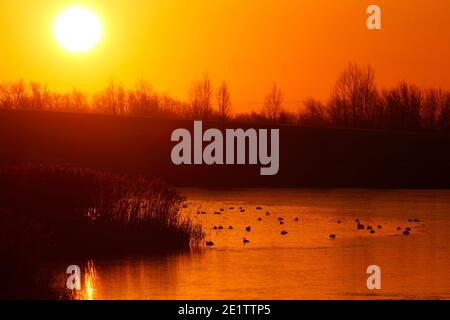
{"x": 301, "y": 45}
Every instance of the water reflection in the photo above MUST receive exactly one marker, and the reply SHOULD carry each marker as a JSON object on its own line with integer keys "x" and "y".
{"x": 305, "y": 264}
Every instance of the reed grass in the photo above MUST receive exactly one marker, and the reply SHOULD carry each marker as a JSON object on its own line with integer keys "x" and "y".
{"x": 58, "y": 212}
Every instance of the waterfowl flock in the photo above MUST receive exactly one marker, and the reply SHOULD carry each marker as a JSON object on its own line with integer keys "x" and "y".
{"x": 360, "y": 226}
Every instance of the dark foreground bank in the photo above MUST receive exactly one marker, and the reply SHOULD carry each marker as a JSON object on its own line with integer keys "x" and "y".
{"x": 51, "y": 213}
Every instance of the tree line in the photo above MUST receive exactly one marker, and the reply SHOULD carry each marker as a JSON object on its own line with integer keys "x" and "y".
{"x": 355, "y": 102}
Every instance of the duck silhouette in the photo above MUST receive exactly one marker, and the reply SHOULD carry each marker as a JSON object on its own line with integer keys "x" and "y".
{"x": 248, "y": 229}
{"x": 283, "y": 233}
{"x": 245, "y": 241}
{"x": 209, "y": 243}
{"x": 332, "y": 236}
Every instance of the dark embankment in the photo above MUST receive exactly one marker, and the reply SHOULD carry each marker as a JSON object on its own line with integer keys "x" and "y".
{"x": 309, "y": 157}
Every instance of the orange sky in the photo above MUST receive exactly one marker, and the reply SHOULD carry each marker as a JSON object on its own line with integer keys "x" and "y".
{"x": 300, "y": 44}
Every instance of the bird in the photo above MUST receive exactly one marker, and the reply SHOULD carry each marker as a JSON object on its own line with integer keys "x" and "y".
{"x": 398, "y": 228}
{"x": 280, "y": 219}
{"x": 258, "y": 208}
{"x": 406, "y": 233}
{"x": 242, "y": 210}
{"x": 416, "y": 220}
{"x": 220, "y": 228}
{"x": 379, "y": 227}
{"x": 357, "y": 221}
{"x": 296, "y": 219}
{"x": 408, "y": 229}
{"x": 410, "y": 220}
{"x": 221, "y": 209}
{"x": 230, "y": 227}
{"x": 215, "y": 228}
{"x": 245, "y": 241}
{"x": 369, "y": 228}
{"x": 267, "y": 213}
{"x": 332, "y": 236}
{"x": 248, "y": 229}
{"x": 209, "y": 243}
{"x": 231, "y": 208}
{"x": 361, "y": 227}
{"x": 283, "y": 233}
{"x": 372, "y": 231}
{"x": 259, "y": 219}
{"x": 281, "y": 222}
{"x": 339, "y": 222}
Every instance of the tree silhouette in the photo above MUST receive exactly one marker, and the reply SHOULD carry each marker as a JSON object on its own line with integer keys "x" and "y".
{"x": 201, "y": 99}
{"x": 273, "y": 104}
{"x": 224, "y": 101}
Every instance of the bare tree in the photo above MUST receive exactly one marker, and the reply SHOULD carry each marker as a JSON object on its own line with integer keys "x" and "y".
{"x": 224, "y": 101}
{"x": 143, "y": 100}
{"x": 313, "y": 114}
{"x": 273, "y": 104}
{"x": 40, "y": 96}
{"x": 354, "y": 98}
{"x": 5, "y": 99}
{"x": 201, "y": 99}
{"x": 403, "y": 105}
{"x": 111, "y": 100}
{"x": 78, "y": 101}
{"x": 18, "y": 94}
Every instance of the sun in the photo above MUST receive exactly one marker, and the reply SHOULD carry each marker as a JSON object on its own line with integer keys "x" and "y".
{"x": 78, "y": 29}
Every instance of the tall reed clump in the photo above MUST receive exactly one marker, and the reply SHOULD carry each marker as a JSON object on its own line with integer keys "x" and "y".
{"x": 52, "y": 212}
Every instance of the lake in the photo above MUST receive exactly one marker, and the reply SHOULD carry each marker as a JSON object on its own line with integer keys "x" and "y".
{"x": 304, "y": 264}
